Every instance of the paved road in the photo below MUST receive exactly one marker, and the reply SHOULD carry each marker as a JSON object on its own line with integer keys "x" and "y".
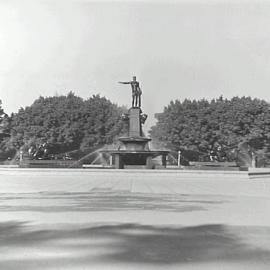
{"x": 79, "y": 219}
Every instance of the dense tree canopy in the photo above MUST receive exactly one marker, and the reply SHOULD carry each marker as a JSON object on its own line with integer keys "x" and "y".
{"x": 3, "y": 121}
{"x": 69, "y": 122}
{"x": 65, "y": 121}
{"x": 4, "y": 131}
{"x": 202, "y": 125}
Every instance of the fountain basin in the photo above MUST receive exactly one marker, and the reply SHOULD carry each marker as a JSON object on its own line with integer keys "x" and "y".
{"x": 134, "y": 143}
{"x": 122, "y": 158}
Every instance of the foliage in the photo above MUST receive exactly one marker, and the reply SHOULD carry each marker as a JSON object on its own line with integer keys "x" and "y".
{"x": 66, "y": 122}
{"x": 217, "y": 124}
{"x": 4, "y": 134}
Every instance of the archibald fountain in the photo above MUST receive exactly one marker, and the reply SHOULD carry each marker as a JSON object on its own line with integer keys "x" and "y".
{"x": 134, "y": 149}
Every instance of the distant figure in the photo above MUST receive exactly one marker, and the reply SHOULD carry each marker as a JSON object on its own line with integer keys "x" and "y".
{"x": 244, "y": 154}
{"x": 21, "y": 155}
{"x": 254, "y": 159}
{"x": 136, "y": 92}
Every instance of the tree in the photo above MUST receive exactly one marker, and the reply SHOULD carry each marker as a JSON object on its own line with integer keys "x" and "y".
{"x": 66, "y": 122}
{"x": 101, "y": 122}
{"x": 217, "y": 124}
{"x": 4, "y": 133}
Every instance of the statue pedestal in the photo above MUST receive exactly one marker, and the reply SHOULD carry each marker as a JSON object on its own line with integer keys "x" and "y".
{"x": 135, "y": 127}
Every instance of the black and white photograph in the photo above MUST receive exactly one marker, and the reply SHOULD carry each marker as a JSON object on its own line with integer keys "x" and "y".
{"x": 134, "y": 134}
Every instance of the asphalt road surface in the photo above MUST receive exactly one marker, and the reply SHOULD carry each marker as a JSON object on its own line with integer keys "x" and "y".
{"x": 87, "y": 219}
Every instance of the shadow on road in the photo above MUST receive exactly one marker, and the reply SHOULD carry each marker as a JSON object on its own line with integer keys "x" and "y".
{"x": 105, "y": 201}
{"x": 126, "y": 244}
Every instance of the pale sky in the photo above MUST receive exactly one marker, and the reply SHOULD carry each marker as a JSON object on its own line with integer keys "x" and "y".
{"x": 177, "y": 50}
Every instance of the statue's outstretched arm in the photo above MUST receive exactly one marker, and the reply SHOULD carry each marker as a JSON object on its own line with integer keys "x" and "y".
{"x": 125, "y": 82}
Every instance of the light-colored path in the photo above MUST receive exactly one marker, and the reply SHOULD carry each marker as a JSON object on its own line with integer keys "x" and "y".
{"x": 79, "y": 219}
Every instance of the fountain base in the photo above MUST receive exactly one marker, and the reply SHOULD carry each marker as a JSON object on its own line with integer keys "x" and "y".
{"x": 129, "y": 158}
{"x": 134, "y": 149}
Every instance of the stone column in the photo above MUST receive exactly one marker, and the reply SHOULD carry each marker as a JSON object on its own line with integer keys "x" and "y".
{"x": 149, "y": 163}
{"x": 111, "y": 160}
{"x": 118, "y": 162}
{"x": 164, "y": 160}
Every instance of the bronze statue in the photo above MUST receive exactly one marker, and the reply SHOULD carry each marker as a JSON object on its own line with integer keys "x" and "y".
{"x": 136, "y": 92}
